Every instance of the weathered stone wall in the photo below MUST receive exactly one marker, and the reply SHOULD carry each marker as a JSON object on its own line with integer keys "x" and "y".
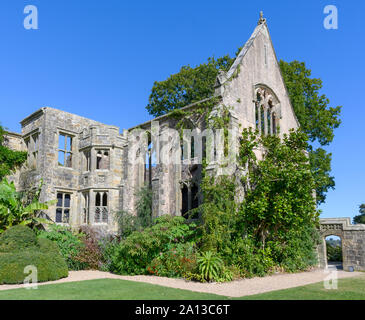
{"x": 352, "y": 240}
{"x": 47, "y": 124}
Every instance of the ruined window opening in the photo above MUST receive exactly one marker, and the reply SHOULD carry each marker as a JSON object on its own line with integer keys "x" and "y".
{"x": 149, "y": 163}
{"x": 35, "y": 138}
{"x": 204, "y": 147}
{"x": 194, "y": 197}
{"x": 185, "y": 200}
{"x": 87, "y": 160}
{"x": 189, "y": 200}
{"x": 65, "y": 150}
{"x": 102, "y": 160}
{"x": 63, "y": 207}
{"x": 85, "y": 209}
{"x": 101, "y": 207}
{"x": 262, "y": 120}
{"x": 27, "y": 144}
{"x": 192, "y": 150}
{"x": 266, "y": 121}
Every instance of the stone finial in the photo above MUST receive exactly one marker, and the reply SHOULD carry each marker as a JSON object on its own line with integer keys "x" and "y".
{"x": 262, "y": 19}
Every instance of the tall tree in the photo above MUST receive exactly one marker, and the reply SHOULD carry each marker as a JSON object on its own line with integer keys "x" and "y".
{"x": 187, "y": 86}
{"x": 317, "y": 119}
{"x": 9, "y": 159}
{"x": 361, "y": 217}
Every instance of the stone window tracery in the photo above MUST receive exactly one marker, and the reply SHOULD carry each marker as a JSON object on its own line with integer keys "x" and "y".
{"x": 101, "y": 207}
{"x": 266, "y": 120}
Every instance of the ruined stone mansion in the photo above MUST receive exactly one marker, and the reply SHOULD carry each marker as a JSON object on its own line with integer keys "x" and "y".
{"x": 86, "y": 165}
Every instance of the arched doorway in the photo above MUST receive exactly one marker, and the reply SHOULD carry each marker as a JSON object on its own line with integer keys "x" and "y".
{"x": 334, "y": 253}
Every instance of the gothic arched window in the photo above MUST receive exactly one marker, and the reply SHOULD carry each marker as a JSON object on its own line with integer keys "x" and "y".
{"x": 266, "y": 103}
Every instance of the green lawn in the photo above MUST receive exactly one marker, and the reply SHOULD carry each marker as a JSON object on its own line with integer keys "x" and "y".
{"x": 114, "y": 289}
{"x": 104, "y": 289}
{"x": 347, "y": 289}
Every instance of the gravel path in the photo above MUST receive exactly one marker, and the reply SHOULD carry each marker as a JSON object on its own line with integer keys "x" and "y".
{"x": 236, "y": 288}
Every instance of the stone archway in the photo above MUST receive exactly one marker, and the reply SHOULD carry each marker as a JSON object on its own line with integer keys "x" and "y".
{"x": 352, "y": 238}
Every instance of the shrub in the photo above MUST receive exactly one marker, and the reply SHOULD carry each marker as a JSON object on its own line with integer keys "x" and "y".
{"x": 46, "y": 246}
{"x": 134, "y": 254}
{"x": 16, "y": 255}
{"x": 17, "y": 238}
{"x": 70, "y": 244}
{"x": 178, "y": 260}
{"x": 90, "y": 255}
{"x": 50, "y": 266}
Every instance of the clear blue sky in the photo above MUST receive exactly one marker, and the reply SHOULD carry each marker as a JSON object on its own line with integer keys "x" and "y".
{"x": 99, "y": 59}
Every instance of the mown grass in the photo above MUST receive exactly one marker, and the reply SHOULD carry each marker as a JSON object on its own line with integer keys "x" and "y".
{"x": 115, "y": 289}
{"x": 104, "y": 289}
{"x": 347, "y": 289}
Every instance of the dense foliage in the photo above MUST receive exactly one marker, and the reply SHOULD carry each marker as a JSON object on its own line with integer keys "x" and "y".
{"x": 274, "y": 226}
{"x": 20, "y": 208}
{"x": 69, "y": 243}
{"x": 82, "y": 249}
{"x": 361, "y": 217}
{"x": 9, "y": 159}
{"x": 187, "y": 86}
{"x": 19, "y": 248}
{"x": 138, "y": 253}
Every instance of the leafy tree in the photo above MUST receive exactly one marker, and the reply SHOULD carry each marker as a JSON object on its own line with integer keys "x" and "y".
{"x": 312, "y": 109}
{"x": 317, "y": 119}
{"x": 275, "y": 223}
{"x": 187, "y": 86}
{"x": 278, "y": 188}
{"x": 9, "y": 159}
{"x": 361, "y": 217}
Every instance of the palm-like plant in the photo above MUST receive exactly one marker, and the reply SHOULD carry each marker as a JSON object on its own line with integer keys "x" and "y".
{"x": 15, "y": 209}
{"x": 210, "y": 265}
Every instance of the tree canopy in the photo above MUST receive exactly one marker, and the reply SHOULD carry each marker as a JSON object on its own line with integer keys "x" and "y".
{"x": 9, "y": 159}
{"x": 361, "y": 217}
{"x": 317, "y": 119}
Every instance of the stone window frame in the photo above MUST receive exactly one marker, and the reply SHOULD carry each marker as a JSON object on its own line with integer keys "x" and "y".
{"x": 85, "y": 208}
{"x": 31, "y": 141}
{"x": 63, "y": 207}
{"x": 65, "y": 150}
{"x": 103, "y": 151}
{"x": 101, "y": 208}
{"x": 266, "y": 109}
{"x": 86, "y": 161}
